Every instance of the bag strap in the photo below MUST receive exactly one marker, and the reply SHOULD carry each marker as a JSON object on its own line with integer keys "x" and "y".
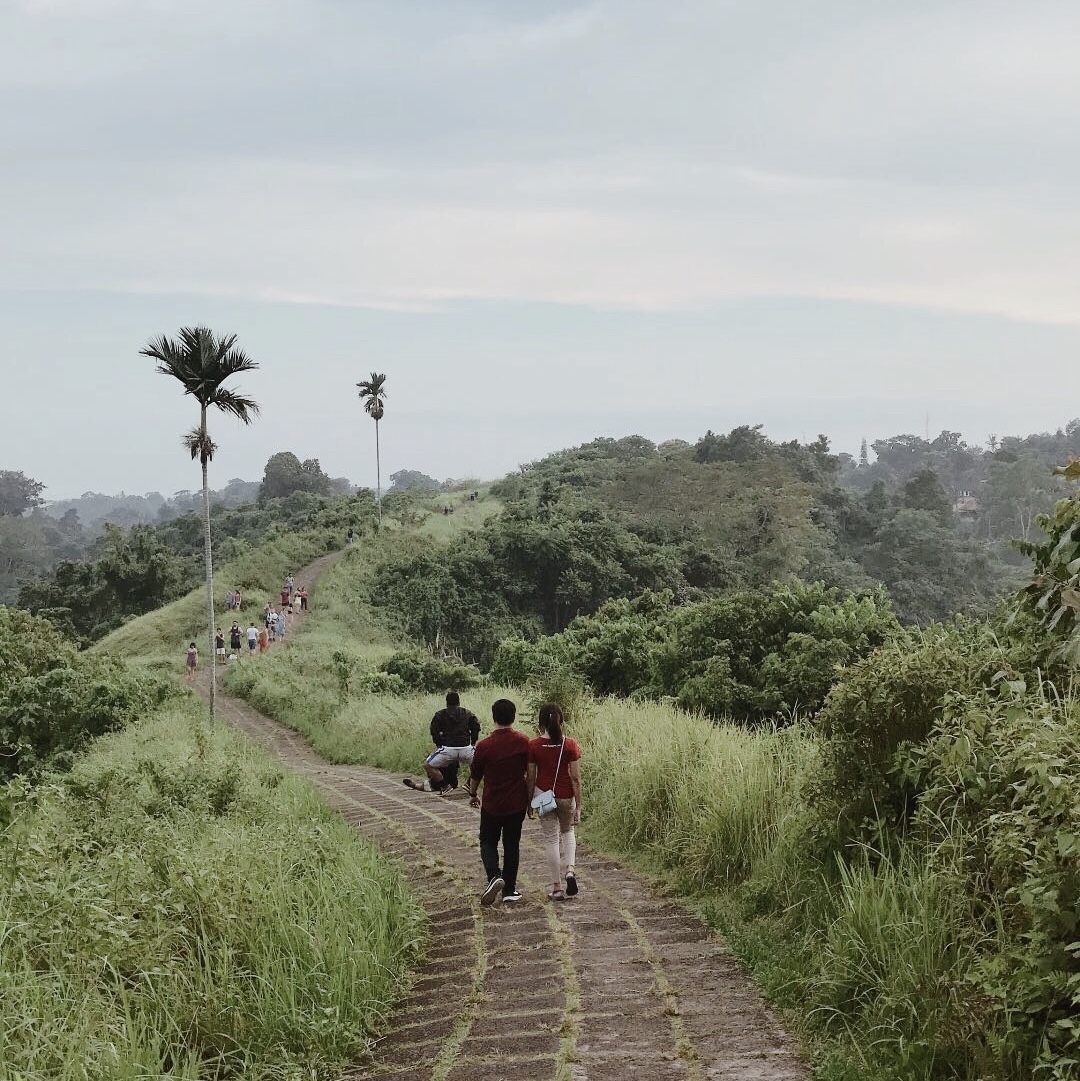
{"x": 554, "y": 780}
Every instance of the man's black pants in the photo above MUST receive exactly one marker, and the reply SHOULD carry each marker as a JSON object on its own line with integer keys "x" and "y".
{"x": 507, "y": 827}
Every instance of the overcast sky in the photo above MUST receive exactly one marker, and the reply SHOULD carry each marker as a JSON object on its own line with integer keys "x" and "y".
{"x": 543, "y": 221}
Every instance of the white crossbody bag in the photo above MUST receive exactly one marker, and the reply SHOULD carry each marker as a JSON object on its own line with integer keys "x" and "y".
{"x": 543, "y": 802}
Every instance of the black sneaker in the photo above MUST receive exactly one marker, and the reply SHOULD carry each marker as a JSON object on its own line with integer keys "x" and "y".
{"x": 571, "y": 884}
{"x": 493, "y": 890}
{"x": 512, "y": 897}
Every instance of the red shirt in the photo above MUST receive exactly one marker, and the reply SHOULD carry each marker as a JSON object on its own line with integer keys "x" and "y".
{"x": 500, "y": 761}
{"x": 545, "y": 754}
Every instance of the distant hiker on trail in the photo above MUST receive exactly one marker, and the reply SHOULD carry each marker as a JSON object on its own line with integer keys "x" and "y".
{"x": 219, "y": 646}
{"x": 286, "y": 595}
{"x": 238, "y": 601}
{"x": 279, "y": 626}
{"x": 191, "y": 662}
{"x": 264, "y": 639}
{"x": 349, "y": 538}
{"x": 236, "y": 638}
{"x": 252, "y": 637}
{"x": 290, "y": 583}
{"x": 303, "y": 598}
{"x": 555, "y": 766}
{"x": 454, "y": 731}
{"x": 499, "y": 763}
{"x": 271, "y": 624}
{"x": 230, "y": 597}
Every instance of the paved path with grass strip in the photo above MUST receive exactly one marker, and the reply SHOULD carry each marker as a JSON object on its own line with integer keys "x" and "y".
{"x": 616, "y": 984}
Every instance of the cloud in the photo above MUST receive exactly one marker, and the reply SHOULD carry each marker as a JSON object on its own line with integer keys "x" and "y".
{"x": 633, "y": 233}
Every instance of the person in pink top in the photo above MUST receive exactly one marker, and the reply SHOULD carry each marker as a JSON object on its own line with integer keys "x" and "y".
{"x": 555, "y": 764}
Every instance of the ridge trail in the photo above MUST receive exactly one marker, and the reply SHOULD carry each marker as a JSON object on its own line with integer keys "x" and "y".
{"x": 616, "y": 983}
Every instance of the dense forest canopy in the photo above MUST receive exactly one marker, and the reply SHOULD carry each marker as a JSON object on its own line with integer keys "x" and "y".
{"x": 913, "y": 853}
{"x": 931, "y": 520}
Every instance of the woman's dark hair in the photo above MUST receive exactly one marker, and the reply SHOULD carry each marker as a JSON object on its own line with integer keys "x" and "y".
{"x": 551, "y": 721}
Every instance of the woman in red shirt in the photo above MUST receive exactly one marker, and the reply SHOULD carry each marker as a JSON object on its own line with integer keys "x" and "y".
{"x": 552, "y": 750}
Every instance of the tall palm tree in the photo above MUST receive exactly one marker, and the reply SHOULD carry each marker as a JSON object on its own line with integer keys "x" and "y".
{"x": 202, "y": 363}
{"x": 373, "y": 396}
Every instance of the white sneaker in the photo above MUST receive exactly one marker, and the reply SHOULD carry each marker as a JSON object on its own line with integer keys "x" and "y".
{"x": 493, "y": 890}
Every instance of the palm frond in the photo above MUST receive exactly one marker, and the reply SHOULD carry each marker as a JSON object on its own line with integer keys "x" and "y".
{"x": 201, "y": 363}
{"x": 373, "y": 395}
{"x": 199, "y": 444}
{"x": 228, "y": 401}
{"x": 373, "y": 387}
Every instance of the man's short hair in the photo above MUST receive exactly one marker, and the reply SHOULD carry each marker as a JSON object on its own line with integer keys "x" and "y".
{"x": 453, "y": 698}
{"x": 503, "y": 711}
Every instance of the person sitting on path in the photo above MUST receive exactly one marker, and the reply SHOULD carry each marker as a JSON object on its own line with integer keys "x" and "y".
{"x": 555, "y": 765}
{"x": 191, "y": 662}
{"x": 499, "y": 763}
{"x": 454, "y": 731}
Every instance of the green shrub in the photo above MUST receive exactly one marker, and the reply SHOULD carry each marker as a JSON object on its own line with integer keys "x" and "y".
{"x": 378, "y": 683}
{"x": 1002, "y": 773}
{"x": 54, "y": 700}
{"x": 418, "y": 670}
{"x": 517, "y": 660}
{"x": 888, "y": 704}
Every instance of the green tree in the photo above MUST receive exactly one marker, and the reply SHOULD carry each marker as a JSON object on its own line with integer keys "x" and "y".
{"x": 373, "y": 396}
{"x": 404, "y": 479}
{"x": 202, "y": 363}
{"x": 18, "y": 493}
{"x": 1016, "y": 492}
{"x": 285, "y": 474}
{"x": 923, "y": 491}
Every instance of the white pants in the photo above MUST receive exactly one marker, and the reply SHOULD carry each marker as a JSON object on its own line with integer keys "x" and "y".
{"x": 560, "y": 840}
{"x": 443, "y": 756}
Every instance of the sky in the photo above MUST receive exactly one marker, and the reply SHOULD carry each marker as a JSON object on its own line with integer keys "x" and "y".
{"x": 542, "y": 221}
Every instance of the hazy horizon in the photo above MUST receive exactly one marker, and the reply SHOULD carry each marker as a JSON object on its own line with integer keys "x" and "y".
{"x": 543, "y": 223}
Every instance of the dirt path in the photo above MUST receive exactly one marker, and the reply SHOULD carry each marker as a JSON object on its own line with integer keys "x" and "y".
{"x": 614, "y": 984}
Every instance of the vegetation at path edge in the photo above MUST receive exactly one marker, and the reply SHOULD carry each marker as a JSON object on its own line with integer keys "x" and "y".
{"x": 177, "y": 907}
{"x": 901, "y": 870}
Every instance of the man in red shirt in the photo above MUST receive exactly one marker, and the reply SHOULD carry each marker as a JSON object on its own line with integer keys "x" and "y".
{"x": 500, "y": 762}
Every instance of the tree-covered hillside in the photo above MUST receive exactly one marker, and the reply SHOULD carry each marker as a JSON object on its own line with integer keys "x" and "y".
{"x": 736, "y": 512}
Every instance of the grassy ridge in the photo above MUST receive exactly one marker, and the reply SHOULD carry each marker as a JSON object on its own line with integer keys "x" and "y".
{"x": 937, "y": 948}
{"x": 878, "y": 960}
{"x": 159, "y": 638}
{"x": 178, "y": 907}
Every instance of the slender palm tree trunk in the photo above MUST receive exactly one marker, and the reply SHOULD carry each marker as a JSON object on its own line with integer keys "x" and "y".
{"x": 378, "y": 473}
{"x": 209, "y": 566}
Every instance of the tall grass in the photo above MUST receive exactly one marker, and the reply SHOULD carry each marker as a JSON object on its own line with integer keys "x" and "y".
{"x": 177, "y": 907}
{"x": 875, "y": 957}
{"x": 707, "y": 800}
